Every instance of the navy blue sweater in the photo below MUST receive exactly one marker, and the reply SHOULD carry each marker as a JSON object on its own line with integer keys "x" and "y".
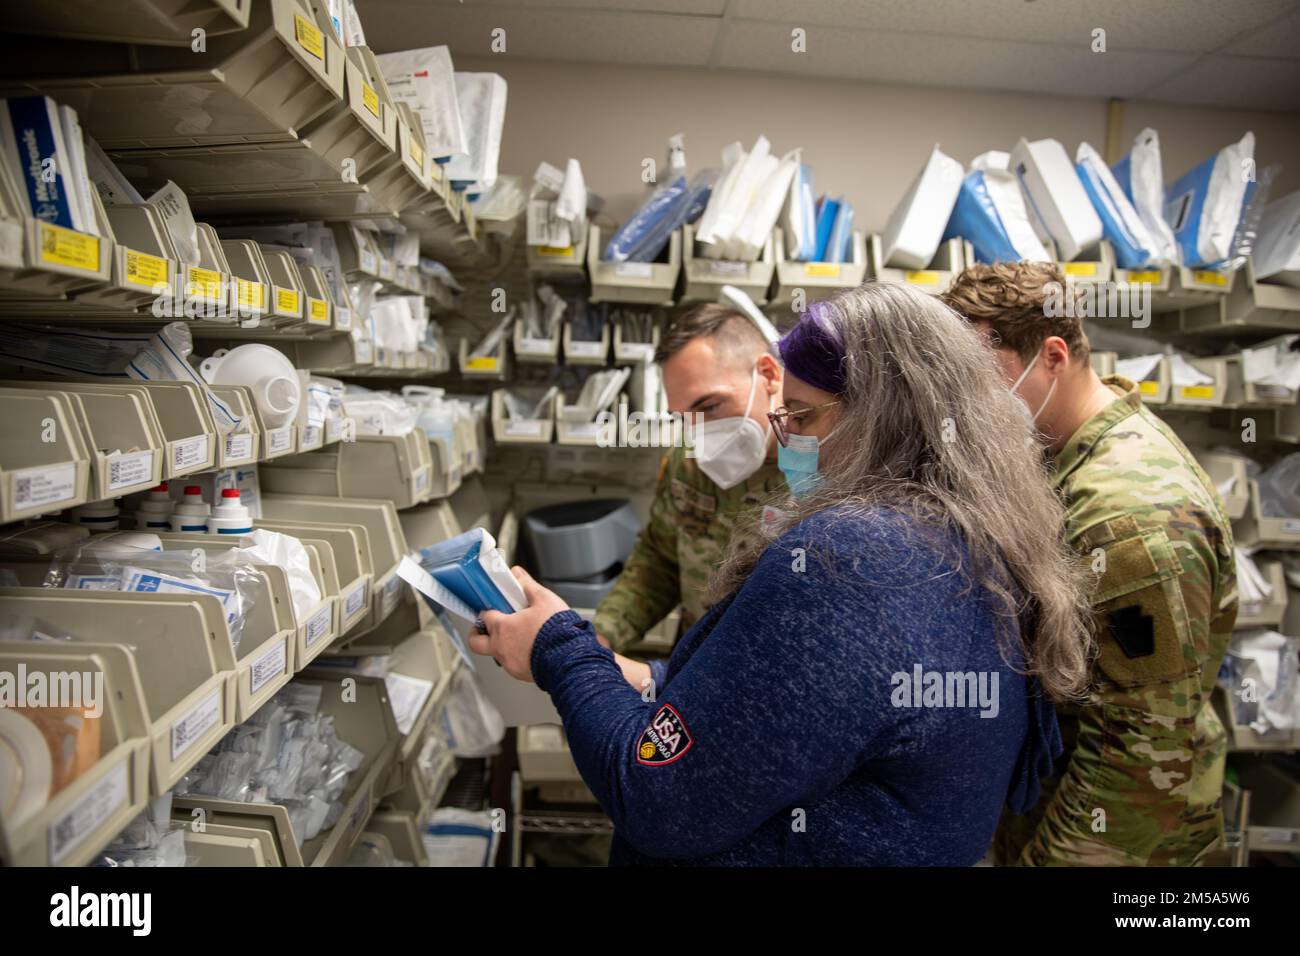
{"x": 783, "y": 732}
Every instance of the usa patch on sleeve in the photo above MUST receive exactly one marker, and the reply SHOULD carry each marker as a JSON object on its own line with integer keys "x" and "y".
{"x": 665, "y": 740}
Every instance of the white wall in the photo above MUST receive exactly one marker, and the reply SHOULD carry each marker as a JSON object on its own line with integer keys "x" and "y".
{"x": 864, "y": 141}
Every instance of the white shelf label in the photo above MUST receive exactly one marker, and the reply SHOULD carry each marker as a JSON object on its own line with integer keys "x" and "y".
{"x": 281, "y": 439}
{"x": 132, "y": 469}
{"x": 239, "y": 447}
{"x": 537, "y": 346}
{"x": 355, "y": 600}
{"x": 333, "y": 429}
{"x": 392, "y": 591}
{"x": 527, "y": 428}
{"x": 1291, "y": 526}
{"x": 422, "y": 479}
{"x": 190, "y": 452}
{"x": 88, "y": 813}
{"x": 368, "y": 263}
{"x": 719, "y": 267}
{"x": 585, "y": 430}
{"x": 311, "y": 436}
{"x": 634, "y": 270}
{"x": 590, "y": 349}
{"x": 637, "y": 351}
{"x": 342, "y": 318}
{"x": 201, "y": 718}
{"x": 34, "y": 487}
{"x": 318, "y": 626}
{"x": 269, "y": 664}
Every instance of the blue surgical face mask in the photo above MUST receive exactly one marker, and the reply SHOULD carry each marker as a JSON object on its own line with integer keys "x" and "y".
{"x": 797, "y": 459}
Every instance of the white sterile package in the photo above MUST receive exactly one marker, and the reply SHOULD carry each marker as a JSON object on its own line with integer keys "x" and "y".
{"x": 1203, "y": 207}
{"x": 1128, "y": 235}
{"x": 1183, "y": 372}
{"x": 1138, "y": 368}
{"x": 1266, "y": 663}
{"x": 407, "y": 695}
{"x": 990, "y": 214}
{"x": 481, "y": 98}
{"x": 1273, "y": 367}
{"x": 1141, "y": 175}
{"x": 1058, "y": 205}
{"x": 1277, "y": 248}
{"x": 425, "y": 79}
{"x": 286, "y": 552}
{"x": 472, "y": 724}
{"x": 378, "y": 413}
{"x": 915, "y": 228}
{"x": 455, "y": 837}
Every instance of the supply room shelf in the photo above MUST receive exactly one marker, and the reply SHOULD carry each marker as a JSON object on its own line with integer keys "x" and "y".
{"x": 1224, "y": 391}
{"x": 585, "y": 352}
{"x": 183, "y": 655}
{"x": 494, "y": 367}
{"x": 258, "y": 85}
{"x": 1228, "y": 471}
{"x": 645, "y": 283}
{"x": 1269, "y": 612}
{"x": 73, "y": 826}
{"x": 403, "y": 834}
{"x": 365, "y": 722}
{"x": 626, "y": 352}
{"x": 704, "y": 278}
{"x": 393, "y": 467}
{"x": 816, "y": 279}
{"x": 1249, "y": 306}
{"x": 1258, "y": 531}
{"x": 508, "y": 430}
{"x": 37, "y": 476}
{"x": 166, "y": 22}
{"x": 1242, "y": 738}
{"x": 560, "y": 262}
{"x": 950, "y": 259}
{"x": 1188, "y": 288}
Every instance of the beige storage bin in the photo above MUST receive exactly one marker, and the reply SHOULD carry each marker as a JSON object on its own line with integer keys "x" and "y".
{"x": 1189, "y": 289}
{"x": 385, "y": 467}
{"x": 1246, "y": 304}
{"x": 1219, "y": 393}
{"x": 252, "y": 279}
{"x": 544, "y": 755}
{"x": 951, "y": 258}
{"x": 580, "y": 352}
{"x": 167, "y": 22}
{"x": 1103, "y": 363}
{"x": 144, "y": 268}
{"x": 632, "y": 353}
{"x": 1260, "y": 532}
{"x": 704, "y": 278}
{"x": 1230, "y": 471}
{"x": 43, "y": 260}
{"x": 645, "y": 283}
{"x": 595, "y": 433}
{"x": 182, "y": 652}
{"x": 360, "y": 127}
{"x": 1094, "y": 265}
{"x": 39, "y": 476}
{"x": 1243, "y": 738}
{"x": 560, "y": 262}
{"x": 402, "y": 831}
{"x": 345, "y": 566}
{"x": 244, "y": 445}
{"x": 816, "y": 280}
{"x": 86, "y": 814}
{"x": 224, "y": 845}
{"x": 494, "y": 366}
{"x": 543, "y": 351}
{"x": 430, "y": 523}
{"x": 519, "y": 431}
{"x": 366, "y": 723}
{"x": 470, "y": 505}
{"x": 1269, "y": 612}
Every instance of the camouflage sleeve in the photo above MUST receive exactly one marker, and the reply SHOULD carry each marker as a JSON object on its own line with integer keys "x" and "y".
{"x": 650, "y": 585}
{"x": 1141, "y": 785}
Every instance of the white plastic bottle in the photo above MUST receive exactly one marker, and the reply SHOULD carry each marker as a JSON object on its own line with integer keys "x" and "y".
{"x": 98, "y": 516}
{"x": 154, "y": 511}
{"x": 230, "y": 516}
{"x": 191, "y": 512}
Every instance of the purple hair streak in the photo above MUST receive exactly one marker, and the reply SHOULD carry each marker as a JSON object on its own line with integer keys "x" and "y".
{"x": 813, "y": 352}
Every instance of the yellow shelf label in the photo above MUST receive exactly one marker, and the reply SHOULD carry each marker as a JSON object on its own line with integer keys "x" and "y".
{"x": 1149, "y": 388}
{"x": 318, "y": 311}
{"x": 145, "y": 270}
{"x": 1080, "y": 268}
{"x": 825, "y": 270}
{"x": 286, "y": 300}
{"x": 555, "y": 251}
{"x": 204, "y": 283}
{"x": 67, "y": 248}
{"x": 249, "y": 293}
{"x": 922, "y": 278}
{"x": 309, "y": 36}
{"x": 1198, "y": 391}
{"x": 1144, "y": 278}
{"x": 370, "y": 98}
{"x": 487, "y": 363}
{"x": 417, "y": 153}
{"x": 1210, "y": 278}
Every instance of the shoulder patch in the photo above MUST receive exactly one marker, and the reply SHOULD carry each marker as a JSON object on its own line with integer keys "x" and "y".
{"x": 1134, "y": 632}
{"x": 665, "y": 740}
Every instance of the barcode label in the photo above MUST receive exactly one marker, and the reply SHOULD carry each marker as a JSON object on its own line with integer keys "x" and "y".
{"x": 88, "y": 813}
{"x": 365, "y": 351}
{"x": 719, "y": 267}
{"x": 524, "y": 428}
{"x": 281, "y": 439}
{"x": 269, "y": 664}
{"x": 1291, "y": 526}
{"x": 238, "y": 448}
{"x": 585, "y": 430}
{"x": 127, "y": 470}
{"x": 34, "y": 487}
{"x": 355, "y": 600}
{"x": 312, "y": 435}
{"x": 202, "y": 717}
{"x": 342, "y": 318}
{"x": 391, "y": 591}
{"x": 190, "y": 453}
{"x": 637, "y": 351}
{"x": 592, "y": 349}
{"x": 633, "y": 270}
{"x": 318, "y": 626}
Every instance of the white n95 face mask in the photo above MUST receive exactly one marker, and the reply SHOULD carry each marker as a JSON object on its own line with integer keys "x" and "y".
{"x": 729, "y": 450}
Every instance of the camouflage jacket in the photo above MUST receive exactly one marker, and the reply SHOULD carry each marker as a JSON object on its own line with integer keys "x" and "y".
{"x": 1143, "y": 778}
{"x": 691, "y": 522}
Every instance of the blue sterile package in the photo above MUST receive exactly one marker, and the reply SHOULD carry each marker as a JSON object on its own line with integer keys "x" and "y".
{"x": 1205, "y": 204}
{"x": 1121, "y": 224}
{"x": 670, "y": 207}
{"x": 975, "y": 219}
{"x": 471, "y": 568}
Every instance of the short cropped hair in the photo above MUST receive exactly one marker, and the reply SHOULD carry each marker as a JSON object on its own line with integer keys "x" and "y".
{"x": 735, "y": 336}
{"x": 1012, "y": 298}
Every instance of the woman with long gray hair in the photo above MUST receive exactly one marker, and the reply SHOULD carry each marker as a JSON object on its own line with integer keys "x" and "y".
{"x": 875, "y": 679}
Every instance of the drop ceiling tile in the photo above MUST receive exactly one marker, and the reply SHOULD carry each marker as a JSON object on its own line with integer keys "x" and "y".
{"x": 384, "y": 8}
{"x": 920, "y": 60}
{"x": 1179, "y": 25}
{"x": 603, "y": 37}
{"x": 1280, "y": 39}
{"x": 1244, "y": 82}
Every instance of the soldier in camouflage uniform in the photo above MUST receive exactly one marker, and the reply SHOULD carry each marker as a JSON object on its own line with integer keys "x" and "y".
{"x": 716, "y": 364}
{"x": 1141, "y": 779}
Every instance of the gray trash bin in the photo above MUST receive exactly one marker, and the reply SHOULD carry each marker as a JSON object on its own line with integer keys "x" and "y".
{"x": 578, "y": 539}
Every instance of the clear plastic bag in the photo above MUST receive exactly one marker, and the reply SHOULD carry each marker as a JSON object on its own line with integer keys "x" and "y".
{"x": 474, "y": 725}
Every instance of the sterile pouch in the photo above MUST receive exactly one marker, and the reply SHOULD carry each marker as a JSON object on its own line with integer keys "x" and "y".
{"x": 426, "y": 81}
{"x": 1140, "y": 175}
{"x": 990, "y": 214}
{"x": 1204, "y": 205}
{"x": 1123, "y": 227}
{"x": 1277, "y": 249}
{"x": 481, "y": 99}
{"x": 471, "y": 722}
{"x": 1058, "y": 205}
{"x": 915, "y": 228}
{"x": 799, "y": 219}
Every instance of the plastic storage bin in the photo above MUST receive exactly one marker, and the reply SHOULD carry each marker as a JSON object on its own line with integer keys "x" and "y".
{"x": 581, "y": 538}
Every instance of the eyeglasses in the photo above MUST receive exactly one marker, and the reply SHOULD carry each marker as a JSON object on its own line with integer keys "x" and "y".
{"x": 782, "y": 415}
